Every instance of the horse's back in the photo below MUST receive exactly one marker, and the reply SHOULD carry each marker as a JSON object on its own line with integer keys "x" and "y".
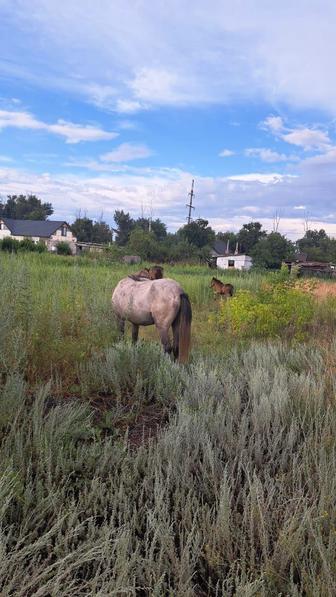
{"x": 144, "y": 302}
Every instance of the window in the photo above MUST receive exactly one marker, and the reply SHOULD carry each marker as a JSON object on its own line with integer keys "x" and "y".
{"x": 64, "y": 231}
{"x": 231, "y": 263}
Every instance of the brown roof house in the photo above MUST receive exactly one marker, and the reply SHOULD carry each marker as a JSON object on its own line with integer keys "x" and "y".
{"x": 50, "y": 232}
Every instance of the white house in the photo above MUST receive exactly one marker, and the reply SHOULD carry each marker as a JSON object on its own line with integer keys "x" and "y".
{"x": 50, "y": 232}
{"x": 241, "y": 262}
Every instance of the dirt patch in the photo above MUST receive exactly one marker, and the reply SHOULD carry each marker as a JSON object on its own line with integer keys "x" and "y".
{"x": 141, "y": 422}
{"x": 147, "y": 425}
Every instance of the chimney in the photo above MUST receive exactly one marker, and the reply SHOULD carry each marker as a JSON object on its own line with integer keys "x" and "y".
{"x": 236, "y": 251}
{"x": 228, "y": 247}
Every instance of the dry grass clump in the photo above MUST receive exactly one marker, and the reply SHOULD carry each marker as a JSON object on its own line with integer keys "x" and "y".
{"x": 235, "y": 496}
{"x": 323, "y": 290}
{"x": 320, "y": 290}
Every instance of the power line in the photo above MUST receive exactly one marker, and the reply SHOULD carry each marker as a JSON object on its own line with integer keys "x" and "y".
{"x": 190, "y": 204}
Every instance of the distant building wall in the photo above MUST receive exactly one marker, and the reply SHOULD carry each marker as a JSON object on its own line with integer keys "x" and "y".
{"x": 238, "y": 262}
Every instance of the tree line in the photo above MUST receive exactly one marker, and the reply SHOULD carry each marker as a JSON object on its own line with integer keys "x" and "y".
{"x": 151, "y": 240}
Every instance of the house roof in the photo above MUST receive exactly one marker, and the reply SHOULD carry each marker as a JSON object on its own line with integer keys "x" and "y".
{"x": 219, "y": 247}
{"x": 43, "y": 228}
{"x": 235, "y": 256}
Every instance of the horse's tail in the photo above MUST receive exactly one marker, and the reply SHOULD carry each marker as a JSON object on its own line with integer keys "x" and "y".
{"x": 182, "y": 330}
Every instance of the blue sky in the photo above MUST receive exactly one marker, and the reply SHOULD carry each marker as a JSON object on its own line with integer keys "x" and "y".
{"x": 119, "y": 105}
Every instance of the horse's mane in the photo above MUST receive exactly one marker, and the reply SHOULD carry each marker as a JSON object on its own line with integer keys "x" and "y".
{"x": 216, "y": 280}
{"x": 137, "y": 278}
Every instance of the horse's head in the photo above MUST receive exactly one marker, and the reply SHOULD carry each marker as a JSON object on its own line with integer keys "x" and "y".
{"x": 213, "y": 282}
{"x": 156, "y": 272}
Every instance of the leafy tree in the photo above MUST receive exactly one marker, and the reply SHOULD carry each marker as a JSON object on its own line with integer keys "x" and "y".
{"x": 271, "y": 250}
{"x": 197, "y": 233}
{"x": 156, "y": 226}
{"x": 87, "y": 231}
{"x": 318, "y": 246}
{"x": 25, "y": 207}
{"x": 125, "y": 225}
{"x": 249, "y": 235}
{"x": 144, "y": 244}
{"x": 227, "y": 236}
{"x": 101, "y": 233}
{"x": 174, "y": 248}
{"x": 83, "y": 229}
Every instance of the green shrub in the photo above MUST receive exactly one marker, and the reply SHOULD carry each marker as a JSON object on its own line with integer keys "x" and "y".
{"x": 41, "y": 247}
{"x": 63, "y": 248}
{"x": 10, "y": 245}
{"x": 295, "y": 271}
{"x": 275, "y": 310}
{"x": 27, "y": 245}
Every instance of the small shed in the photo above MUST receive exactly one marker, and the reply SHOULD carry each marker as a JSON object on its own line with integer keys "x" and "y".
{"x": 82, "y": 247}
{"x": 319, "y": 269}
{"x": 131, "y": 259}
{"x": 239, "y": 262}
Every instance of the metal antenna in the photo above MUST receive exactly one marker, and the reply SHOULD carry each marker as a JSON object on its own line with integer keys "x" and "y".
{"x": 190, "y": 205}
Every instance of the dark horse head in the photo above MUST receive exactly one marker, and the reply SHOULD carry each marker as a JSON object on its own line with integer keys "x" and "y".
{"x": 155, "y": 272}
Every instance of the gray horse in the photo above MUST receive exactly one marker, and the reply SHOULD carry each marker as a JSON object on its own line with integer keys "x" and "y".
{"x": 159, "y": 302}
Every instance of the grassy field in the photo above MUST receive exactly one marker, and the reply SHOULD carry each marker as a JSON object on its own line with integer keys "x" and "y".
{"x": 56, "y": 312}
{"x": 123, "y": 473}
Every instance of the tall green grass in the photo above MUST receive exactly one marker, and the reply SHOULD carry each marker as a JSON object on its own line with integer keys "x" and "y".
{"x": 56, "y": 311}
{"x": 236, "y": 496}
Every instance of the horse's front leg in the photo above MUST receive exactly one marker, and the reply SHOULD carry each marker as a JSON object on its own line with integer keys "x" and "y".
{"x": 164, "y": 337}
{"x": 121, "y": 326}
{"x": 135, "y": 332}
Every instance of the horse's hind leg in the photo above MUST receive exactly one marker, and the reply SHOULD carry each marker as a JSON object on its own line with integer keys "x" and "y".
{"x": 135, "y": 332}
{"x": 164, "y": 337}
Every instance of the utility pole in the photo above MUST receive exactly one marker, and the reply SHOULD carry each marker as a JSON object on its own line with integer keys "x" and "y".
{"x": 150, "y": 219}
{"x": 276, "y": 221}
{"x": 190, "y": 204}
{"x": 306, "y": 223}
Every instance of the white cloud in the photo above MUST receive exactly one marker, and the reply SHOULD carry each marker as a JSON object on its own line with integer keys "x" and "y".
{"x": 273, "y": 123}
{"x": 103, "y": 96}
{"x": 127, "y": 152}
{"x": 299, "y": 207}
{"x": 126, "y": 106}
{"x": 157, "y": 85}
{"x": 307, "y": 138}
{"x": 304, "y": 137}
{"x": 5, "y": 158}
{"x": 21, "y": 120}
{"x": 270, "y": 178}
{"x": 292, "y": 228}
{"x": 268, "y": 155}
{"x": 73, "y": 133}
{"x": 247, "y": 196}
{"x": 226, "y": 153}
{"x": 143, "y": 52}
